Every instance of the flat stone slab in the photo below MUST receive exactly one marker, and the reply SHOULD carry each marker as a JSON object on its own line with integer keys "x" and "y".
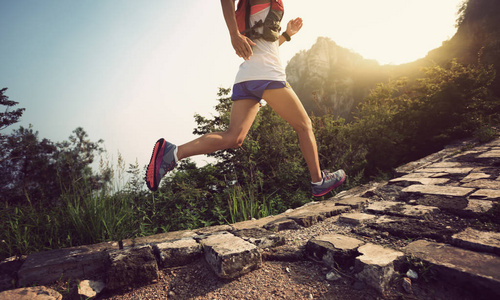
{"x": 213, "y": 229}
{"x": 129, "y": 267}
{"x": 444, "y": 165}
{"x": 434, "y": 157}
{"x": 478, "y": 206}
{"x": 159, "y": 238}
{"x": 483, "y": 184}
{"x": 178, "y": 252}
{"x": 311, "y": 214}
{"x": 475, "y": 176}
{"x": 334, "y": 249}
{"x": 31, "y": 293}
{"x": 353, "y": 202}
{"x": 486, "y": 194}
{"x": 451, "y": 191}
{"x": 475, "y": 270}
{"x": 401, "y": 209}
{"x": 423, "y": 174}
{"x": 375, "y": 265}
{"x": 230, "y": 256}
{"x": 70, "y": 263}
{"x": 420, "y": 180}
{"x": 490, "y": 154}
{"x": 485, "y": 241}
{"x": 282, "y": 224}
{"x": 445, "y": 170}
{"x": 260, "y": 223}
{"x": 355, "y": 218}
{"x": 260, "y": 237}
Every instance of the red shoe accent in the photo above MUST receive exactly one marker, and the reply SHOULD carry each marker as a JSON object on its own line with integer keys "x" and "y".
{"x": 151, "y": 173}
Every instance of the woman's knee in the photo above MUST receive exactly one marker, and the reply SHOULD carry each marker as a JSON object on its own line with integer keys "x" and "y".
{"x": 233, "y": 141}
{"x": 304, "y": 125}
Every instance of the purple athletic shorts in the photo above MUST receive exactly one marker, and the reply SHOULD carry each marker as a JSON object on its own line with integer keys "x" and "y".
{"x": 254, "y": 89}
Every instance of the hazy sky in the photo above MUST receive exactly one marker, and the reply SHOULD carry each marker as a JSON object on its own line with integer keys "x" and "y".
{"x": 131, "y": 71}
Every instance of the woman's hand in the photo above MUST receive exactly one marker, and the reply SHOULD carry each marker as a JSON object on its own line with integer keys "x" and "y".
{"x": 242, "y": 45}
{"x": 294, "y": 26}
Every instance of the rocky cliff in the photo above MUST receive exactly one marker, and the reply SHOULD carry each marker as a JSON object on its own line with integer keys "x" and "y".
{"x": 331, "y": 79}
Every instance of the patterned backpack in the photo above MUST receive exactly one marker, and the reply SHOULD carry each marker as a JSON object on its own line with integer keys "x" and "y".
{"x": 271, "y": 24}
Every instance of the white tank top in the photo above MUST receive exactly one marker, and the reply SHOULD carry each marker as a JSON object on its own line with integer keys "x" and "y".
{"x": 265, "y": 63}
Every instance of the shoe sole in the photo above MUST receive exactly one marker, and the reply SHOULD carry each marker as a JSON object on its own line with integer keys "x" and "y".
{"x": 331, "y": 188}
{"x": 151, "y": 170}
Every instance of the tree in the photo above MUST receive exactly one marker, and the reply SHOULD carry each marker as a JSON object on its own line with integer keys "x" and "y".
{"x": 27, "y": 169}
{"x": 8, "y": 117}
{"x": 75, "y": 157}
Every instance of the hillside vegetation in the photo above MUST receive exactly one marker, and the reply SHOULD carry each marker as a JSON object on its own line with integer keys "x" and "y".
{"x": 50, "y": 197}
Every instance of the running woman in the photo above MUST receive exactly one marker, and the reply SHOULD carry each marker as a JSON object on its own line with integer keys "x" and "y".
{"x": 260, "y": 76}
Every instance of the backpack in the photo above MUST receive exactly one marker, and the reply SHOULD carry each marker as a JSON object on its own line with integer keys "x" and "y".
{"x": 271, "y": 24}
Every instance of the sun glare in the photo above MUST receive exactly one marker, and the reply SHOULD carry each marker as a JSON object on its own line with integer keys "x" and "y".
{"x": 389, "y": 31}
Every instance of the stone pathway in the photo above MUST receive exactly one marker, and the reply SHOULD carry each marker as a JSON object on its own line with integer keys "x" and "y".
{"x": 442, "y": 208}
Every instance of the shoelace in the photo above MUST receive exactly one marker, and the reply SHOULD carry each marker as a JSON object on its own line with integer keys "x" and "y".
{"x": 327, "y": 175}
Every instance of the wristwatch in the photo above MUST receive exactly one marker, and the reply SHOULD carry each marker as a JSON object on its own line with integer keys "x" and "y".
{"x": 286, "y": 36}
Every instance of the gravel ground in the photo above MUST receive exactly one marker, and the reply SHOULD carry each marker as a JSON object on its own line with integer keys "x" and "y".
{"x": 274, "y": 280}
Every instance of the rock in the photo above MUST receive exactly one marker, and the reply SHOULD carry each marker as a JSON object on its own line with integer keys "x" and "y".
{"x": 420, "y": 180}
{"x": 213, "y": 229}
{"x": 438, "y": 190}
{"x": 478, "y": 206}
{"x": 412, "y": 274}
{"x": 474, "y": 176}
{"x": 376, "y": 265}
{"x": 486, "y": 194}
{"x": 355, "y": 218}
{"x": 159, "y": 238}
{"x": 333, "y": 276}
{"x": 131, "y": 267}
{"x": 230, "y": 256}
{"x": 459, "y": 171}
{"x": 353, "y": 202}
{"x": 31, "y": 293}
{"x": 480, "y": 272}
{"x": 282, "y": 224}
{"x": 478, "y": 240}
{"x": 260, "y": 237}
{"x": 90, "y": 288}
{"x": 407, "y": 285}
{"x": 490, "y": 154}
{"x": 483, "y": 184}
{"x": 445, "y": 164}
{"x": 401, "y": 209}
{"x": 178, "y": 252}
{"x": 307, "y": 216}
{"x": 8, "y": 273}
{"x": 269, "y": 241}
{"x": 71, "y": 263}
{"x": 334, "y": 249}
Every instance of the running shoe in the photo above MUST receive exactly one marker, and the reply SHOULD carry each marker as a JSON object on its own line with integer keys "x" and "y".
{"x": 330, "y": 181}
{"x": 162, "y": 161}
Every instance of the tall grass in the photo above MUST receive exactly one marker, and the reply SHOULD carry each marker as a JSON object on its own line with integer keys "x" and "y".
{"x": 245, "y": 204}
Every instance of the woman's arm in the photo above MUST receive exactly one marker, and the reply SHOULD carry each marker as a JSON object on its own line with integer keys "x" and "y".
{"x": 292, "y": 28}
{"x": 241, "y": 44}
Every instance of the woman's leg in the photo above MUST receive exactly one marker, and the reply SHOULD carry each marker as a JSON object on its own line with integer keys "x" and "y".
{"x": 285, "y": 103}
{"x": 243, "y": 114}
